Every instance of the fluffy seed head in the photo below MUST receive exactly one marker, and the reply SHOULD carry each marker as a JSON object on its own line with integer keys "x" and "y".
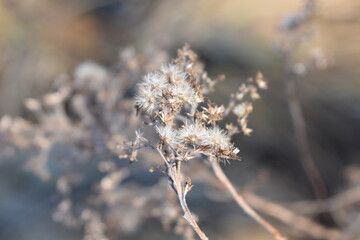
{"x": 217, "y": 138}
{"x": 173, "y": 73}
{"x": 184, "y": 94}
{"x": 168, "y": 135}
{"x": 193, "y": 133}
{"x": 242, "y": 109}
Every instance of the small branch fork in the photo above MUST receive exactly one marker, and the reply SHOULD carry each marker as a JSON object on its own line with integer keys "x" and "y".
{"x": 181, "y": 188}
{"x": 241, "y": 201}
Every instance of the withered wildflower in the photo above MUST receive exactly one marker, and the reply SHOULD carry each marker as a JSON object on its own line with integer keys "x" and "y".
{"x": 90, "y": 117}
{"x": 187, "y": 124}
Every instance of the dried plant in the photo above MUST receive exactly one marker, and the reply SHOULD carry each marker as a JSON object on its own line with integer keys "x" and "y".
{"x": 296, "y": 30}
{"x": 74, "y": 132}
{"x": 77, "y": 137}
{"x": 71, "y": 139}
{"x": 187, "y": 123}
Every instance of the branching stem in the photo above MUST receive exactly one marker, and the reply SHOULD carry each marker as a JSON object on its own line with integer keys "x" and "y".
{"x": 241, "y": 201}
{"x": 176, "y": 181}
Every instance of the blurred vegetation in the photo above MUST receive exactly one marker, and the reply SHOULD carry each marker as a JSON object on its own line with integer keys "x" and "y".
{"x": 41, "y": 39}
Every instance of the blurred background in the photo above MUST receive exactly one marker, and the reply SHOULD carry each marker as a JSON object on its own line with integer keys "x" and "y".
{"x": 41, "y": 39}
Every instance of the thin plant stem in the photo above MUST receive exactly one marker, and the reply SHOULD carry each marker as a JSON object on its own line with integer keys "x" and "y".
{"x": 304, "y": 225}
{"x": 302, "y": 144}
{"x": 175, "y": 178}
{"x": 191, "y": 220}
{"x": 241, "y": 201}
{"x": 296, "y": 111}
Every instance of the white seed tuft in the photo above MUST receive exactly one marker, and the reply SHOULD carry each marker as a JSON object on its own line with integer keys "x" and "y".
{"x": 217, "y": 138}
{"x": 168, "y": 135}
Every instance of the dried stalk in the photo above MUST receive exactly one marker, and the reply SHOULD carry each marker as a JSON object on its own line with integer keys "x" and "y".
{"x": 180, "y": 187}
{"x": 181, "y": 190}
{"x": 241, "y": 201}
{"x": 335, "y": 203}
{"x": 173, "y": 94}
{"x": 302, "y": 144}
{"x": 297, "y": 117}
{"x": 298, "y": 222}
{"x": 304, "y": 225}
